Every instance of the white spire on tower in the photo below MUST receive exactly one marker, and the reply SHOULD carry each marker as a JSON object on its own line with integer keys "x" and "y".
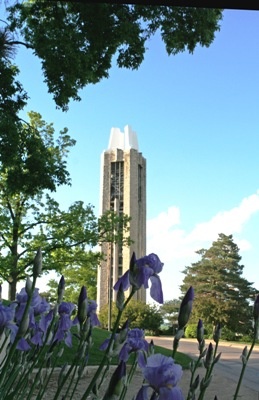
{"x": 123, "y": 140}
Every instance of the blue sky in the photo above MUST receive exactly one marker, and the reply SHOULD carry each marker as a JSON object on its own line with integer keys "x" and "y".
{"x": 197, "y": 121}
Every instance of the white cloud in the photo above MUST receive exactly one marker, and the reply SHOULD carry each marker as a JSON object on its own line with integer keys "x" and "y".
{"x": 228, "y": 222}
{"x": 243, "y": 244}
{"x": 164, "y": 221}
{"x": 176, "y": 247}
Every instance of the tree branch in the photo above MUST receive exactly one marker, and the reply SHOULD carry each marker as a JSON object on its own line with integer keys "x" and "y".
{"x": 32, "y": 226}
{"x": 5, "y": 241}
{"x": 69, "y": 246}
{"x": 10, "y": 210}
{"x": 14, "y": 42}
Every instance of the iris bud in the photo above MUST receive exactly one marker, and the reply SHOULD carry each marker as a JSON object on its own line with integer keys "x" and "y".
{"x": 200, "y": 335}
{"x": 122, "y": 336}
{"x": 37, "y": 264}
{"x": 217, "y": 333}
{"x": 256, "y": 308}
{"x": 209, "y": 357}
{"x": 82, "y": 305}
{"x": 151, "y": 348}
{"x": 244, "y": 355}
{"x": 117, "y": 382}
{"x": 186, "y": 308}
{"x": 195, "y": 384}
{"x": 61, "y": 289}
{"x": 133, "y": 273}
{"x": 28, "y": 286}
{"x": 24, "y": 325}
{"x": 120, "y": 298}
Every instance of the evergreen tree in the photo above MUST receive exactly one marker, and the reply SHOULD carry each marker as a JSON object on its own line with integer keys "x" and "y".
{"x": 170, "y": 310}
{"x": 222, "y": 294}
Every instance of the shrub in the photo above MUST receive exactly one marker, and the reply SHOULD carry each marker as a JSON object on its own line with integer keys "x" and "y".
{"x": 140, "y": 315}
{"x": 191, "y": 331}
{"x": 227, "y": 334}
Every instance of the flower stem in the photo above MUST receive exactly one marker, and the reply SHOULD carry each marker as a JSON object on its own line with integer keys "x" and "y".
{"x": 18, "y": 336}
{"x": 208, "y": 374}
{"x": 197, "y": 363}
{"x": 39, "y": 369}
{"x": 245, "y": 363}
{"x": 130, "y": 376}
{"x": 103, "y": 362}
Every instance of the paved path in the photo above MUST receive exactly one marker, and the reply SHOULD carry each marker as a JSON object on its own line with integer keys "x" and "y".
{"x": 226, "y": 372}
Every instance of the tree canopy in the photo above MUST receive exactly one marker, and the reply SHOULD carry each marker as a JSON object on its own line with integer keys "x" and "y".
{"x": 170, "y": 310}
{"x": 222, "y": 294}
{"x": 76, "y": 41}
{"x": 30, "y": 160}
{"x": 32, "y": 165}
{"x": 80, "y": 271}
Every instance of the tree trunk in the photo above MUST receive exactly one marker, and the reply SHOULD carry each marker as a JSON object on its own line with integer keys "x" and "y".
{"x": 12, "y": 290}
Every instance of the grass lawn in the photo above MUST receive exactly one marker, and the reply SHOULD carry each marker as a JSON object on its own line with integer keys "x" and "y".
{"x": 99, "y": 335}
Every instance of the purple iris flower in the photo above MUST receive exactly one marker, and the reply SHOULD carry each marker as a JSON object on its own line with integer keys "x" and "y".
{"x": 39, "y": 305}
{"x": 152, "y": 266}
{"x": 118, "y": 342}
{"x": 162, "y": 375}
{"x": 140, "y": 272}
{"x": 45, "y": 321}
{"x": 65, "y": 310}
{"x": 37, "y": 338}
{"x": 106, "y": 342}
{"x": 40, "y": 329}
{"x": 123, "y": 281}
{"x": 6, "y": 316}
{"x": 23, "y": 345}
{"x": 116, "y": 347}
{"x": 91, "y": 313}
{"x": 7, "y": 320}
{"x": 135, "y": 342}
{"x": 142, "y": 393}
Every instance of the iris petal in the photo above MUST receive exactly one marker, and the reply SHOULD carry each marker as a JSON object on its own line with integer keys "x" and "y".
{"x": 124, "y": 279}
{"x": 138, "y": 275}
{"x": 156, "y": 291}
{"x": 142, "y": 393}
{"x": 174, "y": 393}
{"x": 23, "y": 345}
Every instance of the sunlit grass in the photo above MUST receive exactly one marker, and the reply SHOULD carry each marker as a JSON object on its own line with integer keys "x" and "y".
{"x": 96, "y": 355}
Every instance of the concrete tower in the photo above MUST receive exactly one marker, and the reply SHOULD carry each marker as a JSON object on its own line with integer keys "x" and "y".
{"x": 123, "y": 190}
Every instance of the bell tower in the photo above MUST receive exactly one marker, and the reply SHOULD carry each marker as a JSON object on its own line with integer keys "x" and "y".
{"x": 123, "y": 190}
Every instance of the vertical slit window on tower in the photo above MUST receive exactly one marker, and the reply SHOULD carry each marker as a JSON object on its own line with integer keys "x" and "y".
{"x": 120, "y": 260}
{"x": 117, "y": 180}
{"x": 139, "y": 183}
